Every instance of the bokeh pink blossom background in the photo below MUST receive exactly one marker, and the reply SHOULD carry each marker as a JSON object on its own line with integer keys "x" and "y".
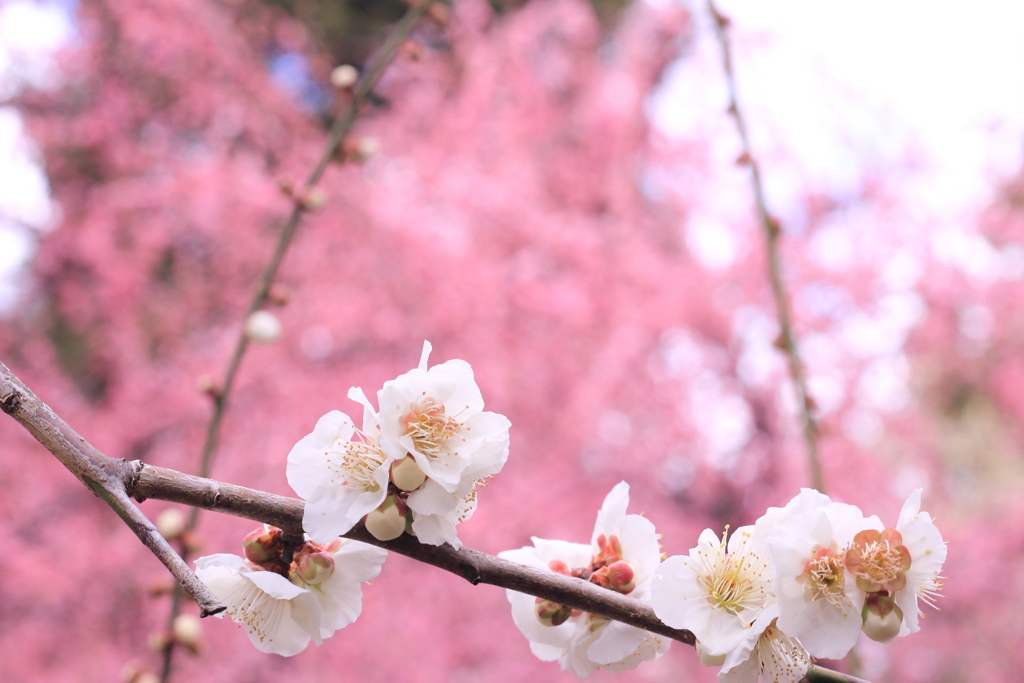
{"x": 555, "y": 201}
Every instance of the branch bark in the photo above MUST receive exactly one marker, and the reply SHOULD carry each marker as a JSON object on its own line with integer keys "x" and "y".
{"x": 103, "y": 475}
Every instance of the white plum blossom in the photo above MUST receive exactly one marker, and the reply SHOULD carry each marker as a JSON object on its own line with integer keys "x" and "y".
{"x": 622, "y": 556}
{"x": 898, "y": 566}
{"x": 718, "y": 590}
{"x": 340, "y": 471}
{"x": 435, "y": 417}
{"x": 282, "y": 614}
{"x": 819, "y": 600}
{"x": 766, "y": 651}
{"x": 280, "y": 617}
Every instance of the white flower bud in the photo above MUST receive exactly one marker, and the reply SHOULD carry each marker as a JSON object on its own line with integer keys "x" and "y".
{"x": 187, "y": 630}
{"x": 344, "y": 76}
{"x": 386, "y": 523}
{"x": 263, "y": 326}
{"x": 170, "y": 523}
{"x": 407, "y": 475}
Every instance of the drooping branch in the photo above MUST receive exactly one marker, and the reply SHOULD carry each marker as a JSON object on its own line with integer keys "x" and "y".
{"x": 770, "y": 226}
{"x": 121, "y": 481}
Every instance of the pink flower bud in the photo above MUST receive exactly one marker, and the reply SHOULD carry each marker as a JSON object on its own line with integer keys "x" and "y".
{"x": 618, "y": 576}
{"x": 314, "y": 568}
{"x": 263, "y": 545}
{"x": 551, "y": 613}
{"x": 882, "y": 618}
{"x": 407, "y": 475}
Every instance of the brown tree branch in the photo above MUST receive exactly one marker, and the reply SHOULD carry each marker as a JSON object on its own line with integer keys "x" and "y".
{"x": 118, "y": 479}
{"x": 770, "y": 226}
{"x": 103, "y": 475}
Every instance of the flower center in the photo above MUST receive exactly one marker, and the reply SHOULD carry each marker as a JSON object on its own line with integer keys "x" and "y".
{"x": 824, "y": 577}
{"x": 735, "y": 581}
{"x": 358, "y": 462}
{"x": 429, "y": 426}
{"x": 879, "y": 560}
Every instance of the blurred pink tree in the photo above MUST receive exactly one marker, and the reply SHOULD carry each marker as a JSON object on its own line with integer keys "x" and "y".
{"x": 523, "y": 214}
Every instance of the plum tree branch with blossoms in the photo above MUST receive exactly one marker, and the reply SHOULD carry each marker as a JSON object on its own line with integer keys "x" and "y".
{"x": 304, "y": 199}
{"x": 787, "y": 339}
{"x": 118, "y": 481}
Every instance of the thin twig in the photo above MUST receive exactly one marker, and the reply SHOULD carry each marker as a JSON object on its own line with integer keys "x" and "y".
{"x": 770, "y": 225}
{"x": 102, "y": 474}
{"x": 342, "y": 124}
{"x": 141, "y": 481}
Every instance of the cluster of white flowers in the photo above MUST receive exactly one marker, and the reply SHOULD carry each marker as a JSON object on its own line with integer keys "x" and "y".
{"x": 283, "y": 606}
{"x": 413, "y": 468}
{"x": 802, "y": 582}
{"x": 415, "y": 465}
{"x": 622, "y": 556}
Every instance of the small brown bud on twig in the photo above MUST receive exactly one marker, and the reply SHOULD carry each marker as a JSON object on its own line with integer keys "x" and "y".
{"x": 743, "y": 159}
{"x": 286, "y": 186}
{"x": 208, "y": 386}
{"x": 312, "y": 199}
{"x": 279, "y": 294}
{"x": 439, "y": 14}
{"x": 414, "y": 50}
{"x": 771, "y": 223}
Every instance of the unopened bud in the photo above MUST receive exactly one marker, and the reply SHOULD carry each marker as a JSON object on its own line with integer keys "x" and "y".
{"x": 367, "y": 147}
{"x": 344, "y": 76}
{"x": 170, "y": 523}
{"x": 262, "y": 326}
{"x": 187, "y": 631}
{"x": 206, "y": 385}
{"x": 314, "y": 568}
{"x": 882, "y": 618}
{"x": 386, "y": 523}
{"x": 407, "y": 475}
{"x": 551, "y": 613}
{"x": 158, "y": 642}
{"x": 278, "y": 294}
{"x": 413, "y": 49}
{"x": 312, "y": 199}
{"x": 263, "y": 545}
{"x": 621, "y": 577}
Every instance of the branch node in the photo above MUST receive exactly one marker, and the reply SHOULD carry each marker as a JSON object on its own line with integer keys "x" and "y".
{"x": 11, "y": 403}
